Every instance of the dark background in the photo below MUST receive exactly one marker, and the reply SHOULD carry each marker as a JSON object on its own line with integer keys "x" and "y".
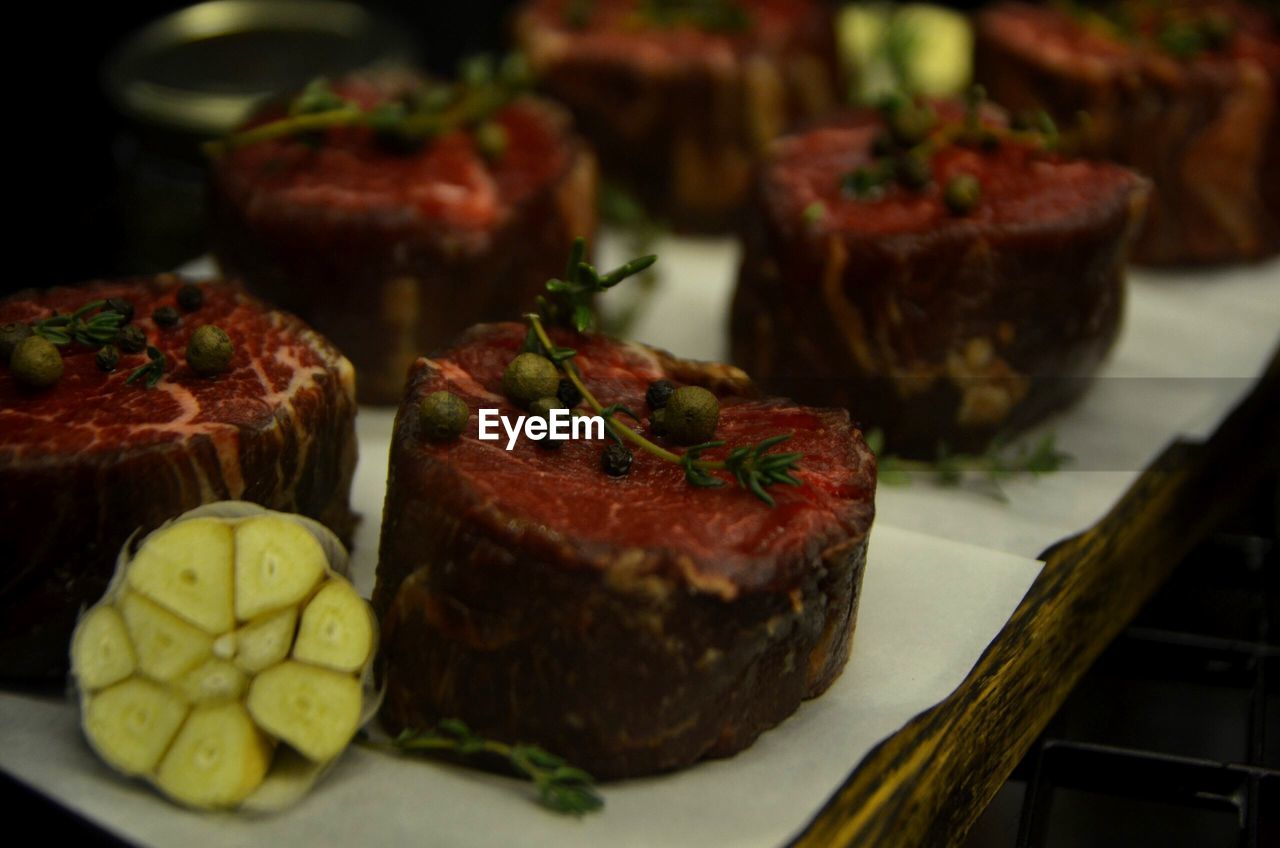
{"x": 77, "y": 217}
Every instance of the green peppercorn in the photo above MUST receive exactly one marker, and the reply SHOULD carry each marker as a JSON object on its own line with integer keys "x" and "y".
{"x": 210, "y": 351}
{"x": 568, "y": 393}
{"x": 542, "y": 408}
{"x": 491, "y": 140}
{"x": 165, "y": 316}
{"x": 190, "y": 297}
{"x": 913, "y": 171}
{"x": 443, "y": 416}
{"x": 107, "y": 358}
{"x": 911, "y": 124}
{"x": 131, "y": 339}
{"x": 615, "y": 460}
{"x": 658, "y": 393}
{"x": 963, "y": 194}
{"x": 36, "y": 362}
{"x": 529, "y": 377}
{"x": 10, "y": 336}
{"x": 691, "y": 415}
{"x": 122, "y": 306}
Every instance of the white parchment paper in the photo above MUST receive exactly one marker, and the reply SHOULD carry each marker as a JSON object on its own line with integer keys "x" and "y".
{"x": 929, "y": 607}
{"x": 945, "y": 570}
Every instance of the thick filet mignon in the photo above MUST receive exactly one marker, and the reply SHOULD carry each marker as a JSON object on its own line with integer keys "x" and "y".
{"x": 1186, "y": 93}
{"x": 90, "y": 460}
{"x": 632, "y": 624}
{"x": 391, "y": 252}
{"x": 680, "y": 106}
{"x": 940, "y": 327}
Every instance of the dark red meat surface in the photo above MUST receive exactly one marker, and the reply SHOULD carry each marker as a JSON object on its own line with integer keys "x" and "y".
{"x": 941, "y": 329}
{"x": 499, "y": 569}
{"x": 89, "y": 461}
{"x": 1204, "y": 127}
{"x": 679, "y": 113}
{"x": 391, "y": 254}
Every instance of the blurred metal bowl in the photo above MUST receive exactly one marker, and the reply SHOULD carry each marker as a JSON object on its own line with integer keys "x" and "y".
{"x": 203, "y": 69}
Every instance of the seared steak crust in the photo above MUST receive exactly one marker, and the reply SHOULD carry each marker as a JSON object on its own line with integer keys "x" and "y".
{"x": 393, "y": 253}
{"x": 631, "y": 624}
{"x": 938, "y": 328}
{"x": 1206, "y": 129}
{"x": 86, "y": 463}
{"x": 679, "y": 115}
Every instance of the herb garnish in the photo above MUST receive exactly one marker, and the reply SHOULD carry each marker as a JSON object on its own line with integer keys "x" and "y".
{"x": 998, "y": 463}
{"x": 93, "y": 331}
{"x": 561, "y": 787}
{"x": 903, "y": 152}
{"x": 151, "y": 372}
{"x": 429, "y": 111}
{"x": 569, "y": 304}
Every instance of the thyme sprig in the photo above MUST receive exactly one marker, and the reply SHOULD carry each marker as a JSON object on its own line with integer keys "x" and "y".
{"x": 570, "y": 304}
{"x": 484, "y": 87}
{"x": 93, "y": 331}
{"x": 561, "y": 787}
{"x": 750, "y": 465}
{"x": 150, "y": 372}
{"x": 996, "y": 465}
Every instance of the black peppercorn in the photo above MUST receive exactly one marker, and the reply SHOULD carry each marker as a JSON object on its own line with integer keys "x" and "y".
{"x": 658, "y": 393}
{"x": 107, "y": 358}
{"x": 616, "y": 460}
{"x": 568, "y": 393}
{"x": 190, "y": 297}
{"x": 131, "y": 339}
{"x": 122, "y": 306}
{"x": 165, "y": 316}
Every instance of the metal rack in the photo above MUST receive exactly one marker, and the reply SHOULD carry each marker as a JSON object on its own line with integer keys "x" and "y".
{"x": 1173, "y": 738}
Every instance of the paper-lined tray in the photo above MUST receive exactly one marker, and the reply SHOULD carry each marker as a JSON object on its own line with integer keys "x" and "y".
{"x": 1192, "y": 347}
{"x": 929, "y": 607}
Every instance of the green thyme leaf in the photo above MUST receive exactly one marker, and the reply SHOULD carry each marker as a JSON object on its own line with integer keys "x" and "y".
{"x": 561, "y": 787}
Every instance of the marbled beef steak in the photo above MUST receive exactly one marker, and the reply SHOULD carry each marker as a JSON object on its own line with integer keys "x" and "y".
{"x": 681, "y": 102}
{"x": 1188, "y": 93}
{"x": 390, "y": 251}
{"x": 631, "y": 624}
{"x": 89, "y": 461}
{"x": 941, "y": 328}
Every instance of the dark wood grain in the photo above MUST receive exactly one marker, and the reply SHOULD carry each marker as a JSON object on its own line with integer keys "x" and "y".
{"x": 927, "y": 784}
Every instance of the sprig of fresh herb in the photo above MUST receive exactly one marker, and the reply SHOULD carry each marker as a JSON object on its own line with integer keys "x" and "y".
{"x": 431, "y": 110}
{"x": 641, "y": 232}
{"x": 93, "y": 331}
{"x": 570, "y": 299}
{"x": 151, "y": 371}
{"x": 751, "y": 466}
{"x": 998, "y": 463}
{"x": 561, "y": 787}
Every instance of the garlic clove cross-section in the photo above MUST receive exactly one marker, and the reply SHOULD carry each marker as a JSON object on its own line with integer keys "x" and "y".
{"x": 228, "y": 640}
